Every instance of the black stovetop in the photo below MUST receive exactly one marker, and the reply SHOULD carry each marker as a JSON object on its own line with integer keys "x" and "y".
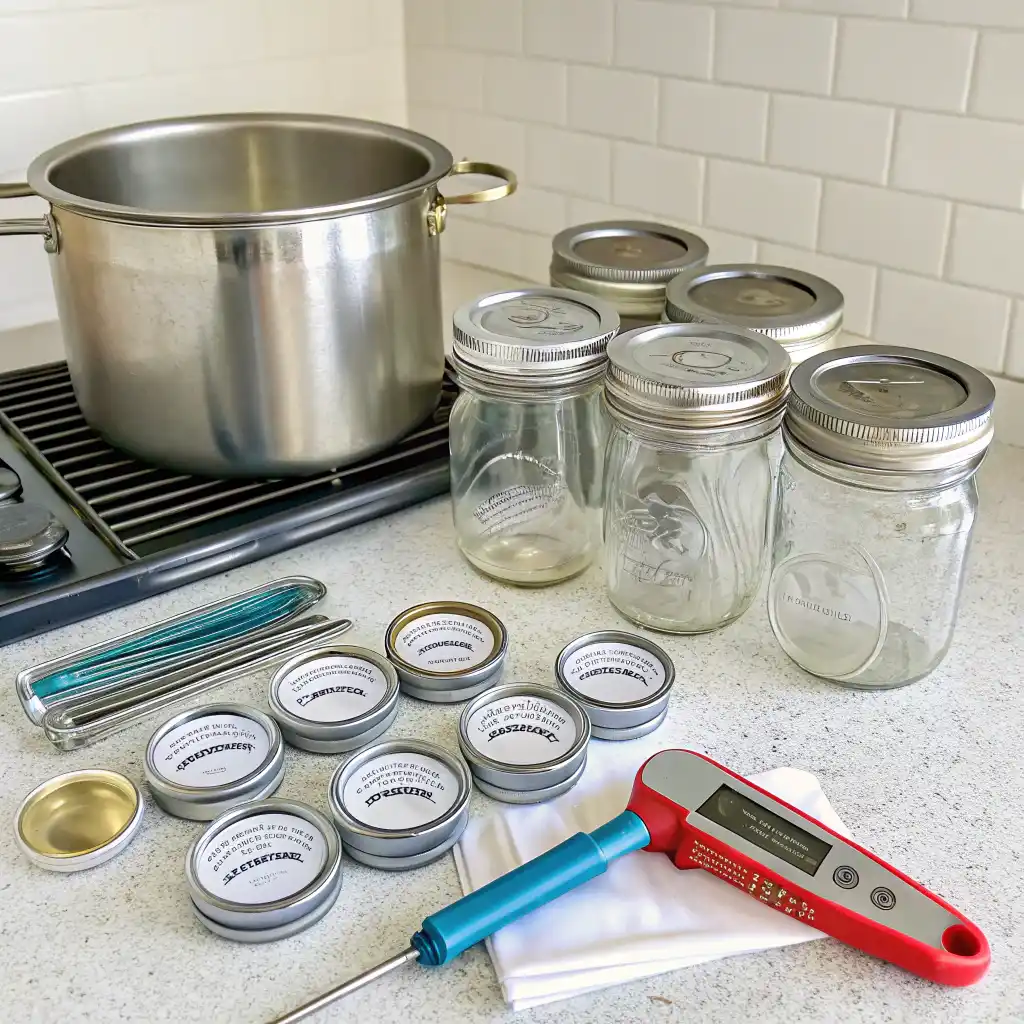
{"x": 136, "y": 530}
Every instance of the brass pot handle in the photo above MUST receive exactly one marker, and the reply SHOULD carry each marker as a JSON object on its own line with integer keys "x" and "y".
{"x": 439, "y": 207}
{"x": 28, "y": 225}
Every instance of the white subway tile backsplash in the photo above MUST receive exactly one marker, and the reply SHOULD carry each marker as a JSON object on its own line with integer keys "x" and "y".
{"x": 726, "y": 247}
{"x": 999, "y": 13}
{"x": 780, "y": 206}
{"x": 999, "y": 79}
{"x": 499, "y": 140}
{"x": 526, "y": 89}
{"x": 960, "y": 157}
{"x": 667, "y": 184}
{"x": 606, "y": 101}
{"x": 948, "y": 318}
{"x": 718, "y": 120}
{"x": 775, "y": 49}
{"x": 577, "y": 30}
{"x": 855, "y": 280}
{"x": 24, "y": 269}
{"x": 880, "y": 226}
{"x": 446, "y": 78}
{"x": 849, "y": 140}
{"x": 569, "y": 162}
{"x": 986, "y": 249}
{"x": 664, "y": 37}
{"x": 33, "y": 122}
{"x": 875, "y": 58}
{"x": 425, "y": 23}
{"x": 863, "y": 8}
{"x": 1014, "y": 364}
{"x": 1008, "y": 414}
{"x": 530, "y": 209}
{"x": 583, "y": 211}
{"x": 490, "y": 26}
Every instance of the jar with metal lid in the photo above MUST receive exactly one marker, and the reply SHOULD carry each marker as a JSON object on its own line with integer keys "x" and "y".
{"x": 802, "y": 312}
{"x": 626, "y": 262}
{"x": 526, "y": 433}
{"x": 876, "y": 505}
{"x": 688, "y": 484}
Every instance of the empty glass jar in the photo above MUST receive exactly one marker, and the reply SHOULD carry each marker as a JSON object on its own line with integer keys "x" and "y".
{"x": 688, "y": 481}
{"x": 801, "y": 311}
{"x": 876, "y": 504}
{"x": 626, "y": 262}
{"x": 527, "y": 434}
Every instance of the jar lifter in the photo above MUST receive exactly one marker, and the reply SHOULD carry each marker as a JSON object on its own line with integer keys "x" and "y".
{"x": 703, "y": 815}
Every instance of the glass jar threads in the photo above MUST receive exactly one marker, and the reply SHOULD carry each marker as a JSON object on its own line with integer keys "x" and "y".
{"x": 526, "y": 433}
{"x": 688, "y": 483}
{"x": 876, "y": 504}
{"x": 626, "y": 262}
{"x": 802, "y": 312}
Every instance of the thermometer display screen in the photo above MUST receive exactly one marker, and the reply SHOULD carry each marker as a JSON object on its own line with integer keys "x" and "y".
{"x": 750, "y": 820}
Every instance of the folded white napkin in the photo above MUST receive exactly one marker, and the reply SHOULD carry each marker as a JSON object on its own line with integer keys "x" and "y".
{"x": 643, "y": 916}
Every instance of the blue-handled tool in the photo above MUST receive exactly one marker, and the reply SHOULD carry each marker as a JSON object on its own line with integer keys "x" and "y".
{"x": 444, "y": 935}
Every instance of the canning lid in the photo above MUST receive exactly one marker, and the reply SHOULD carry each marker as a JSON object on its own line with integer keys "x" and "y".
{"x": 695, "y": 375}
{"x": 207, "y": 759}
{"x": 628, "y": 262}
{"x": 446, "y": 651}
{"x": 265, "y": 870}
{"x": 801, "y": 311}
{"x": 895, "y": 409}
{"x": 334, "y": 699}
{"x": 528, "y": 739}
{"x": 401, "y": 803}
{"x": 79, "y": 819}
{"x": 532, "y": 337}
{"x": 622, "y": 680}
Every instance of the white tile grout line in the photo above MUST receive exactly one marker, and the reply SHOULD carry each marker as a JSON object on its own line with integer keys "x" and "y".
{"x": 972, "y": 73}
{"x": 833, "y": 71}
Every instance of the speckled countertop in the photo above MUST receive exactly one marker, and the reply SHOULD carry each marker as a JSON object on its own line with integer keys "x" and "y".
{"x": 930, "y": 777}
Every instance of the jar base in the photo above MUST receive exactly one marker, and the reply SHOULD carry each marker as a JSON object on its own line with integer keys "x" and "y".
{"x": 657, "y": 625}
{"x": 526, "y": 561}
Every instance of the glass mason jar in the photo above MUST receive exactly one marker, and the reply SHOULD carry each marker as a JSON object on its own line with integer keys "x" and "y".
{"x": 527, "y": 434}
{"x": 688, "y": 478}
{"x": 876, "y": 505}
{"x": 802, "y": 312}
{"x": 625, "y": 262}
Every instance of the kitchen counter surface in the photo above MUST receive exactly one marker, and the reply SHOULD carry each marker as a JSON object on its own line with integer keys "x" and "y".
{"x": 929, "y": 777}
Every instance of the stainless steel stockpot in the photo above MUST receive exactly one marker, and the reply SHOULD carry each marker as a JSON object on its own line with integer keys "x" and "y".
{"x": 249, "y": 294}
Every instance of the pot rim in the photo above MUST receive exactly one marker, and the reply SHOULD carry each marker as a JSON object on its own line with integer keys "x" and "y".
{"x": 439, "y": 164}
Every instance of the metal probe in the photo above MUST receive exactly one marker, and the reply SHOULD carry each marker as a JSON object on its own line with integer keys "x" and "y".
{"x": 348, "y": 987}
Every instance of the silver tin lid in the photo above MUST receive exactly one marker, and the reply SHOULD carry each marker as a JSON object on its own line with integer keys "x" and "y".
{"x": 893, "y": 409}
{"x": 264, "y": 865}
{"x": 446, "y": 651}
{"x": 532, "y": 336}
{"x": 695, "y": 375}
{"x": 632, "y": 733}
{"x": 801, "y": 311}
{"x": 78, "y": 819}
{"x": 206, "y": 760}
{"x": 622, "y": 679}
{"x": 400, "y": 799}
{"x": 529, "y": 796}
{"x": 524, "y": 736}
{"x": 627, "y": 262}
{"x": 334, "y": 699}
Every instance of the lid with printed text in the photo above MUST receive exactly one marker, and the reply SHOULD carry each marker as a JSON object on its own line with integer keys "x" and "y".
{"x": 532, "y": 333}
{"x": 898, "y": 409}
{"x": 695, "y": 374}
{"x": 801, "y": 311}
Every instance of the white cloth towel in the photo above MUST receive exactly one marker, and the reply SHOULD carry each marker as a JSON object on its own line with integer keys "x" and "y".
{"x": 643, "y": 916}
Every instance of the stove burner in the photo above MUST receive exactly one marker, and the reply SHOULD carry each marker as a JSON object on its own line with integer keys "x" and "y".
{"x": 10, "y": 483}
{"x": 29, "y": 535}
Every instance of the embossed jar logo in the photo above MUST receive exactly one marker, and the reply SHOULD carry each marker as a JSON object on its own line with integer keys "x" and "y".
{"x": 663, "y": 538}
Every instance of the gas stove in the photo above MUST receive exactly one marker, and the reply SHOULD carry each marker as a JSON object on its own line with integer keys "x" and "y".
{"x": 94, "y": 528}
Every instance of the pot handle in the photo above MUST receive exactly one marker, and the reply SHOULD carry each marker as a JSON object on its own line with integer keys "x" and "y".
{"x": 439, "y": 207}
{"x": 28, "y": 225}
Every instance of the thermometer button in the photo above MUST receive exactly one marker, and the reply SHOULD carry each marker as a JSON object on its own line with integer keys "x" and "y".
{"x": 884, "y": 899}
{"x": 845, "y": 877}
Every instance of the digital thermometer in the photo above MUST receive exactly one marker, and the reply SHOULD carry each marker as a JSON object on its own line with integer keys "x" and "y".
{"x": 705, "y": 816}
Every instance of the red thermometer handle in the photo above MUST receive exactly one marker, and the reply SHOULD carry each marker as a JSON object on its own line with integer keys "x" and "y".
{"x": 705, "y": 816}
